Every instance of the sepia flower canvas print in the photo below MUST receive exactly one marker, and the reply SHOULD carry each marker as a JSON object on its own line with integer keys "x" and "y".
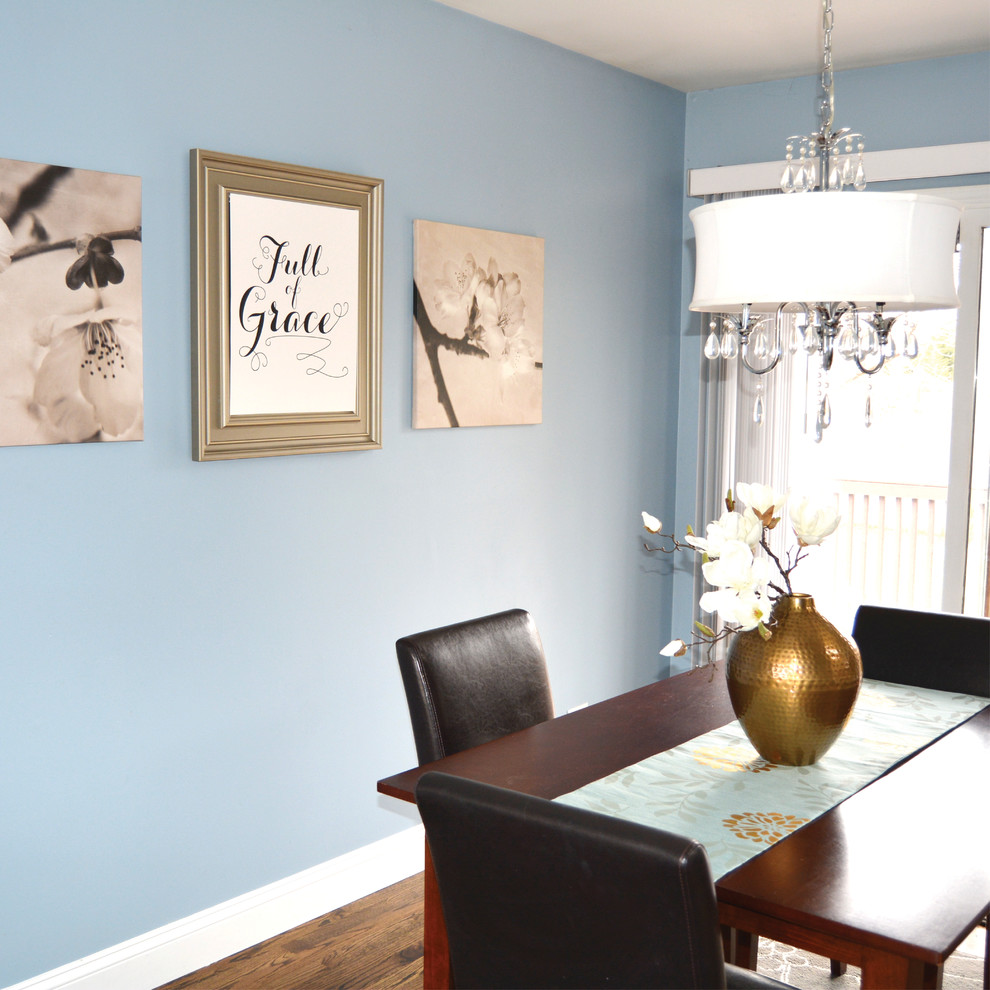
{"x": 71, "y": 365}
{"x": 478, "y": 327}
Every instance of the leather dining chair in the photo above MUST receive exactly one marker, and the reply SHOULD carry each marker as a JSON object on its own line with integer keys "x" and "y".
{"x": 474, "y": 681}
{"x": 540, "y": 894}
{"x": 940, "y": 650}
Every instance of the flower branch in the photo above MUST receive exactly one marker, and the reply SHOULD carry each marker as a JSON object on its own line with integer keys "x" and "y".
{"x": 744, "y": 590}
{"x": 785, "y": 572}
{"x": 30, "y": 250}
{"x": 433, "y": 340}
{"x": 653, "y": 525}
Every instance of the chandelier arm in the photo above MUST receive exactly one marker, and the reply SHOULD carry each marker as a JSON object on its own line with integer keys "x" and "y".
{"x": 869, "y": 371}
{"x": 736, "y": 323}
{"x": 778, "y": 340}
{"x": 881, "y": 326}
{"x": 805, "y": 311}
{"x": 826, "y": 342}
{"x": 758, "y": 371}
{"x": 830, "y": 316}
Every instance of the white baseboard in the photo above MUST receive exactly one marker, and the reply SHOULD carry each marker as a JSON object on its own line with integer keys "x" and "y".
{"x": 167, "y": 953}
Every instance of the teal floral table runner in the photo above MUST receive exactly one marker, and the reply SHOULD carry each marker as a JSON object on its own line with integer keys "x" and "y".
{"x": 719, "y": 790}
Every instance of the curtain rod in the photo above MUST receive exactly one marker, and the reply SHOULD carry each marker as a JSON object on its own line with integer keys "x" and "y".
{"x": 935, "y": 161}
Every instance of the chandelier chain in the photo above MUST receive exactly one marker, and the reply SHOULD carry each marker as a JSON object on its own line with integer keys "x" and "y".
{"x": 842, "y": 314}
{"x": 828, "y": 83}
{"x": 830, "y": 158}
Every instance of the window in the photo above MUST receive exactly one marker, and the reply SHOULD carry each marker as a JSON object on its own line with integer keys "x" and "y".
{"x": 913, "y": 485}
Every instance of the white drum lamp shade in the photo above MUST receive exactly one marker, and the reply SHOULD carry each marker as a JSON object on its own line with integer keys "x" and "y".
{"x": 825, "y": 247}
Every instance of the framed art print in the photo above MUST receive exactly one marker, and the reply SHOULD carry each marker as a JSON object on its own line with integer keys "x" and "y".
{"x": 287, "y": 308}
{"x": 478, "y": 327}
{"x": 71, "y": 337}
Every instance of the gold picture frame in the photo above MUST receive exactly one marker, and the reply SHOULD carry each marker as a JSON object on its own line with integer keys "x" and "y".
{"x": 287, "y": 285}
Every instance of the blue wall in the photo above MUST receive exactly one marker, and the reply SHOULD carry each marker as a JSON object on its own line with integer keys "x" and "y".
{"x": 913, "y": 104}
{"x": 199, "y": 681}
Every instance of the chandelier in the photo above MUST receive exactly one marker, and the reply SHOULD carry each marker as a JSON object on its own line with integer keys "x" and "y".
{"x": 827, "y": 252}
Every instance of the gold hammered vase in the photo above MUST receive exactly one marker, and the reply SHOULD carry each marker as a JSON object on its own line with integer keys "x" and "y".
{"x": 794, "y": 692}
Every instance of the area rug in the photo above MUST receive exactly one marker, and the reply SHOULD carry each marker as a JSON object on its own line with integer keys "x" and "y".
{"x": 963, "y": 971}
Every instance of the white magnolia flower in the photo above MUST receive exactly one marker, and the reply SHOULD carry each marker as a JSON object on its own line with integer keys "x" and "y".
{"x": 731, "y": 526}
{"x": 6, "y": 246}
{"x": 90, "y": 380}
{"x": 765, "y": 501}
{"x": 499, "y": 327}
{"x": 813, "y": 520}
{"x": 651, "y": 523}
{"x": 455, "y": 291}
{"x": 745, "y": 610}
{"x": 738, "y": 561}
{"x": 738, "y": 569}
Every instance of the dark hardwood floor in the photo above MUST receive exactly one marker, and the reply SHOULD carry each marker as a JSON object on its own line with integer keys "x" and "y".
{"x": 376, "y": 942}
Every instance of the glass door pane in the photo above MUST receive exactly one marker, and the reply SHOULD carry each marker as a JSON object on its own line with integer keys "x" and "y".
{"x": 976, "y": 586}
{"x": 890, "y": 478}
{"x": 913, "y": 485}
{"x": 907, "y": 458}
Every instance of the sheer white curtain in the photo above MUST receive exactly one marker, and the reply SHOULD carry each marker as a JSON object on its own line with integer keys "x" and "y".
{"x": 906, "y": 517}
{"x": 737, "y": 448}
{"x": 731, "y": 448}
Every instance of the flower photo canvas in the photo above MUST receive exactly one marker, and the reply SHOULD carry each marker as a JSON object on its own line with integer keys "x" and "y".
{"x": 478, "y": 327}
{"x": 71, "y": 366}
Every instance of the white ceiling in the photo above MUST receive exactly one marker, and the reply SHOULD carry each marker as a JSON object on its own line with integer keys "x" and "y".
{"x": 704, "y": 44}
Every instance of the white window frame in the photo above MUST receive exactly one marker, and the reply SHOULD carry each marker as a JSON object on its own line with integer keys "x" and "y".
{"x": 901, "y": 165}
{"x": 976, "y": 217}
{"x": 934, "y": 162}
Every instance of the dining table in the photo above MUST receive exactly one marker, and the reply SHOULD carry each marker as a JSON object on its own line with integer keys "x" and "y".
{"x": 884, "y": 866}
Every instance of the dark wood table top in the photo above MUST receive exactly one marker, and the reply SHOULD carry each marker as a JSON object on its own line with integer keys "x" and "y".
{"x": 906, "y": 860}
{"x": 572, "y": 750}
{"x": 902, "y": 867}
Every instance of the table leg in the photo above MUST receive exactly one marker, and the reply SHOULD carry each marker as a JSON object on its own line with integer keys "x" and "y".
{"x": 740, "y": 948}
{"x": 882, "y": 970}
{"x": 436, "y": 952}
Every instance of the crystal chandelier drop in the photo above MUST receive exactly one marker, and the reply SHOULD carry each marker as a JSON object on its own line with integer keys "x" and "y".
{"x": 831, "y": 254}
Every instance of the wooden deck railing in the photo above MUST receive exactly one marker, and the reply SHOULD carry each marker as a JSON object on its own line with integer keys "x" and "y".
{"x": 890, "y": 547}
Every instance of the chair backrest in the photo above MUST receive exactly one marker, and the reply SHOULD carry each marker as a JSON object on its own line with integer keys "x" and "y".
{"x": 540, "y": 894}
{"x": 474, "y": 681}
{"x": 941, "y": 650}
